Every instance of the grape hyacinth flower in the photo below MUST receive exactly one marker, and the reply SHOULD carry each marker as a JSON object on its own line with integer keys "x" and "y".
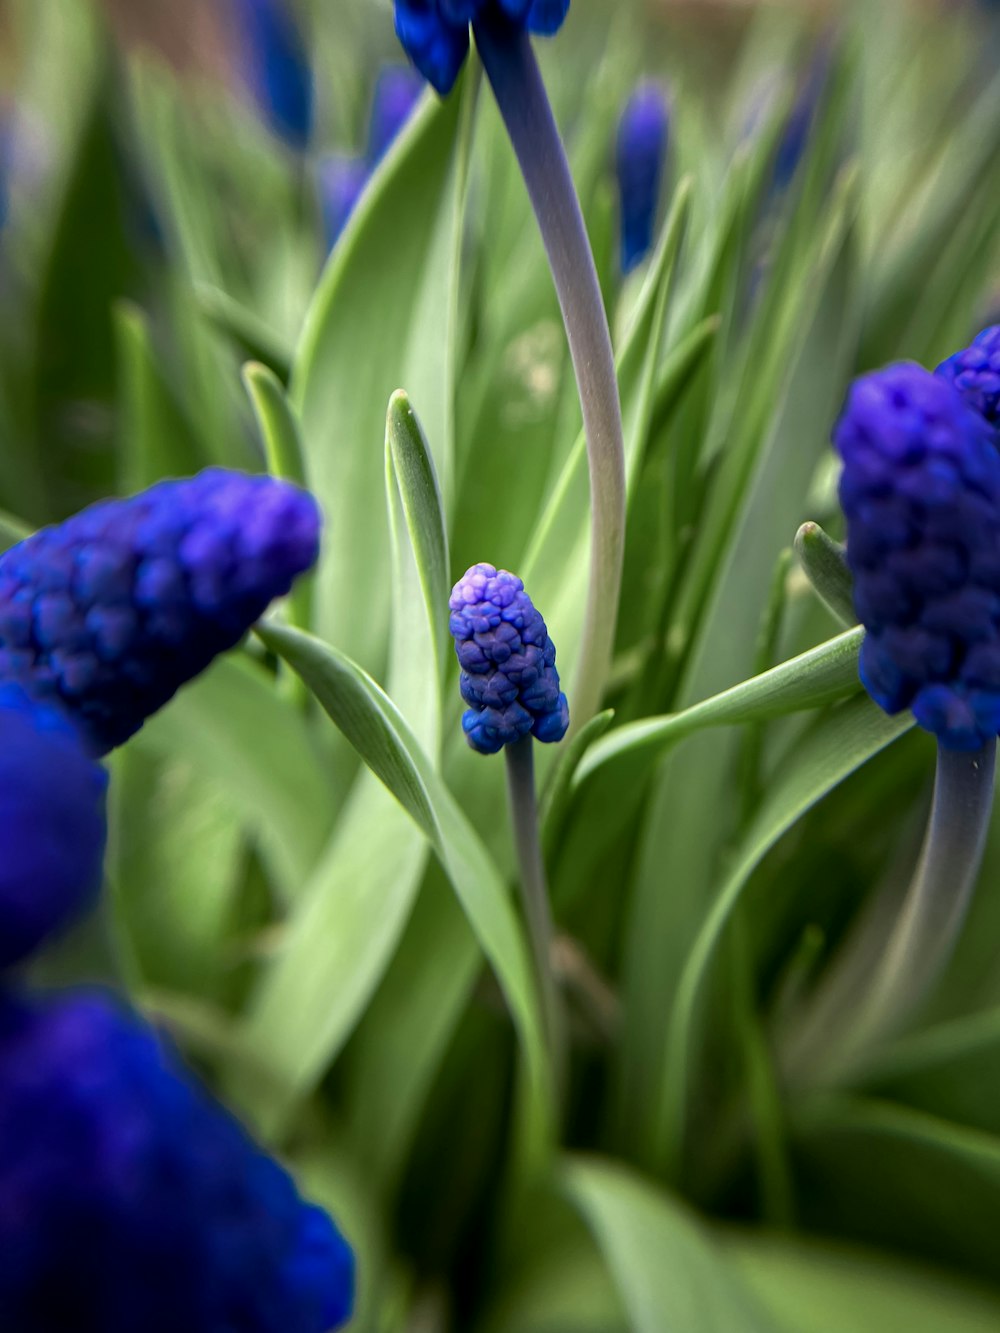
{"x": 975, "y": 372}
{"x": 510, "y": 682}
{"x": 130, "y": 1199}
{"x": 342, "y": 179}
{"x": 640, "y": 157}
{"x": 108, "y": 613}
{"x": 53, "y": 824}
{"x": 509, "y": 677}
{"x": 920, "y": 489}
{"x": 435, "y": 35}
{"x": 278, "y": 67}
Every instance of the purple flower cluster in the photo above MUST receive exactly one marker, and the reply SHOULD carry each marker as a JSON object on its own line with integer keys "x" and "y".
{"x": 109, "y": 613}
{"x": 435, "y": 33}
{"x": 975, "y": 372}
{"x": 921, "y": 492}
{"x": 129, "y": 1199}
{"x": 640, "y": 155}
{"x": 509, "y": 677}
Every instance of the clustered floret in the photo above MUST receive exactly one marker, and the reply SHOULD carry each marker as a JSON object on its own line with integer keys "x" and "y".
{"x": 129, "y": 1199}
{"x": 509, "y": 677}
{"x": 921, "y": 492}
{"x": 975, "y": 372}
{"x": 110, "y": 612}
{"x": 435, "y": 33}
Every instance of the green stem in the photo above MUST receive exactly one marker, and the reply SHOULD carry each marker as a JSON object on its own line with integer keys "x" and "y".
{"x": 534, "y": 890}
{"x": 509, "y": 61}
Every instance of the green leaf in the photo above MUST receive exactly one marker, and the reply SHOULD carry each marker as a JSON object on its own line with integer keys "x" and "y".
{"x": 378, "y": 731}
{"x": 384, "y": 315}
{"x": 233, "y": 727}
{"x": 810, "y": 1288}
{"x": 668, "y": 1272}
{"x": 12, "y": 530}
{"x": 842, "y": 742}
{"x": 825, "y": 566}
{"x": 251, "y": 334}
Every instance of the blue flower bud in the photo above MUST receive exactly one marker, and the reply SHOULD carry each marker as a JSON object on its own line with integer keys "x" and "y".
{"x": 279, "y": 72}
{"x": 129, "y": 1199}
{"x": 975, "y": 372}
{"x": 921, "y": 492}
{"x": 640, "y": 157}
{"x": 397, "y": 91}
{"x": 435, "y": 33}
{"x": 509, "y": 677}
{"x": 341, "y": 183}
{"x": 53, "y": 825}
{"x": 110, "y": 612}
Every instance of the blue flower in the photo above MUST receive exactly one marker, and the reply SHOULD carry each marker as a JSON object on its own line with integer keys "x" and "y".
{"x": 509, "y": 677}
{"x": 279, "y": 71}
{"x": 53, "y": 825}
{"x": 640, "y": 157}
{"x": 921, "y": 492}
{"x": 435, "y": 33}
{"x": 397, "y": 91}
{"x": 130, "y": 1200}
{"x": 110, "y": 612}
{"x": 975, "y": 372}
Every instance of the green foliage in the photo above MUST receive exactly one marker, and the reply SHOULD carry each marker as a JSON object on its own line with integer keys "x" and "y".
{"x": 311, "y": 873}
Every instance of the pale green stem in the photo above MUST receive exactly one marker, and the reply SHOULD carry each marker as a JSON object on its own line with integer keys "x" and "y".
{"x": 509, "y": 61}
{"x": 925, "y": 932}
{"x": 534, "y": 890}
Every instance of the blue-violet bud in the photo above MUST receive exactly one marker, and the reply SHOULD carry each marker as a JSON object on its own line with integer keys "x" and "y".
{"x": 639, "y": 159}
{"x": 341, "y": 183}
{"x": 53, "y": 825}
{"x": 921, "y": 491}
{"x": 110, "y": 612}
{"x": 975, "y": 372}
{"x": 130, "y": 1199}
{"x": 397, "y": 91}
{"x": 509, "y": 677}
{"x": 278, "y": 67}
{"x": 435, "y": 33}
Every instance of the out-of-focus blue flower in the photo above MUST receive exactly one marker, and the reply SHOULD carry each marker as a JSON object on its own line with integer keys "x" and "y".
{"x": 640, "y": 158}
{"x": 342, "y": 180}
{"x": 921, "y": 492}
{"x": 110, "y": 612}
{"x": 509, "y": 677}
{"x": 397, "y": 91}
{"x": 130, "y": 1200}
{"x": 435, "y": 33}
{"x": 975, "y": 372}
{"x": 53, "y": 825}
{"x": 279, "y": 72}
{"x": 341, "y": 183}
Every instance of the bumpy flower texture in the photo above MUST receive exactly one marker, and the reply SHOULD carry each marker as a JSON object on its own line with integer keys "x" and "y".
{"x": 921, "y": 491}
{"x": 509, "y": 677}
{"x": 975, "y": 372}
{"x": 640, "y": 155}
{"x": 130, "y": 1200}
{"x": 110, "y": 612}
{"x": 435, "y": 33}
{"x": 53, "y": 824}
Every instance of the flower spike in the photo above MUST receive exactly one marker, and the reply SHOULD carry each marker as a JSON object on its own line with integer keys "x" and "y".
{"x": 921, "y": 492}
{"x": 435, "y": 33}
{"x": 129, "y": 1199}
{"x": 53, "y": 824}
{"x": 639, "y": 159}
{"x": 509, "y": 677}
{"x": 110, "y": 612}
{"x": 975, "y": 373}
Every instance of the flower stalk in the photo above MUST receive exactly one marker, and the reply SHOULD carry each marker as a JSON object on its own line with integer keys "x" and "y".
{"x": 509, "y": 61}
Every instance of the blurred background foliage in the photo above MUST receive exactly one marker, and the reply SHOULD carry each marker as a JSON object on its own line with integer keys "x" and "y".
{"x": 833, "y": 203}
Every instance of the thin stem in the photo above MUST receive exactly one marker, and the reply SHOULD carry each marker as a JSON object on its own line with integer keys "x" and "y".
{"x": 509, "y": 61}
{"x": 925, "y": 931}
{"x": 534, "y": 889}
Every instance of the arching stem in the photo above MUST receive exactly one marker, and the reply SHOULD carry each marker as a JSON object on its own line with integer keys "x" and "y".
{"x": 509, "y": 61}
